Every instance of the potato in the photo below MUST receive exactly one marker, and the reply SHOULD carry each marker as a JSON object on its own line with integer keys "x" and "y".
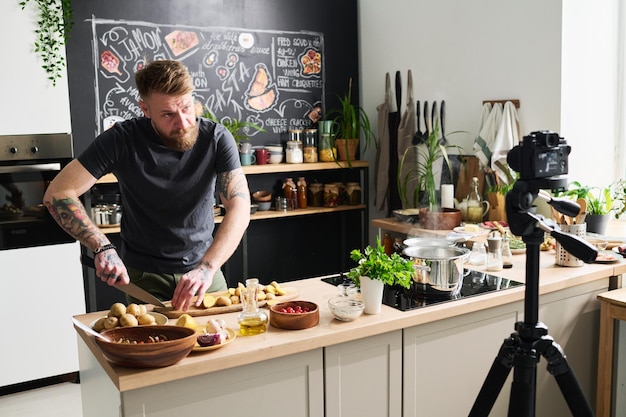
{"x": 208, "y": 301}
{"x": 142, "y": 309}
{"x": 235, "y": 299}
{"x": 270, "y": 296}
{"x": 117, "y": 310}
{"x": 133, "y": 309}
{"x": 128, "y": 320}
{"x": 111, "y": 323}
{"x": 146, "y": 319}
{"x": 260, "y": 296}
{"x": 223, "y": 301}
{"x": 270, "y": 289}
{"x": 280, "y": 290}
{"x": 231, "y": 291}
{"x": 99, "y": 324}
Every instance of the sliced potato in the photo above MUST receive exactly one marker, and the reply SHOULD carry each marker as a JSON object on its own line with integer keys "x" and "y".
{"x": 208, "y": 301}
{"x": 223, "y": 301}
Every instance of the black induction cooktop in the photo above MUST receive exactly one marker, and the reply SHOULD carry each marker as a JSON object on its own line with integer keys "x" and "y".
{"x": 474, "y": 283}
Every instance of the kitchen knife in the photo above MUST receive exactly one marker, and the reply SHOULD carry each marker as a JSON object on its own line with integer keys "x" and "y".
{"x": 130, "y": 289}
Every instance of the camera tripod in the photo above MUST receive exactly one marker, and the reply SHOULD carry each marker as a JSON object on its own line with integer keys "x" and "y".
{"x": 523, "y": 349}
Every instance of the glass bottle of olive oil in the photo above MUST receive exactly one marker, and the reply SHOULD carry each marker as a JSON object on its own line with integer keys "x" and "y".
{"x": 252, "y": 320}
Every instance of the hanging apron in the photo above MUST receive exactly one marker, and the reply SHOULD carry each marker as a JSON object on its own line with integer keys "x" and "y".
{"x": 381, "y": 174}
{"x": 406, "y": 131}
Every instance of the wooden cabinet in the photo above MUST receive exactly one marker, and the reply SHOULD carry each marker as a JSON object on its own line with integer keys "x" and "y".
{"x": 364, "y": 377}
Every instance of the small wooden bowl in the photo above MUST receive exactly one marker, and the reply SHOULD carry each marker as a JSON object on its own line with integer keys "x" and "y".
{"x": 294, "y": 321}
{"x": 262, "y": 195}
{"x": 147, "y": 354}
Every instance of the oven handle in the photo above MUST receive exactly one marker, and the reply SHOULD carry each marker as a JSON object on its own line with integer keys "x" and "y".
{"x": 14, "y": 169}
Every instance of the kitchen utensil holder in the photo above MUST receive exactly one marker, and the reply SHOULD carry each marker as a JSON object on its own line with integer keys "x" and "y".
{"x": 564, "y": 258}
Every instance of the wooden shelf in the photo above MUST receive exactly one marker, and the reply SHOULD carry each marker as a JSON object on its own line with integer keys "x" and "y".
{"x": 274, "y": 169}
{"x": 273, "y": 214}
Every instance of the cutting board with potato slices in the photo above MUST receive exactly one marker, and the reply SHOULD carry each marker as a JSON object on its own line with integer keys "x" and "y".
{"x": 228, "y": 301}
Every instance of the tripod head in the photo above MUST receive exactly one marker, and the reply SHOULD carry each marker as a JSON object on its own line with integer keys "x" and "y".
{"x": 541, "y": 160}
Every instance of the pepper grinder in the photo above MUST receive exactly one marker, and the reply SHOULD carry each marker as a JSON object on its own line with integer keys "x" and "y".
{"x": 494, "y": 254}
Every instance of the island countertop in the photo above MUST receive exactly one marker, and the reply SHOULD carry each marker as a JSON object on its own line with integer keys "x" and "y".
{"x": 277, "y": 343}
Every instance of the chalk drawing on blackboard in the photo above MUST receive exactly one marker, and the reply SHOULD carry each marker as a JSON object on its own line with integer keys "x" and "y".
{"x": 232, "y": 60}
{"x": 181, "y": 41}
{"x": 246, "y": 40}
{"x": 222, "y": 72}
{"x": 311, "y": 62}
{"x": 210, "y": 59}
{"x": 262, "y": 93}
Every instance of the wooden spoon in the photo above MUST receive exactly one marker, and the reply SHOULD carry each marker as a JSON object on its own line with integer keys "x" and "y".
{"x": 580, "y": 218}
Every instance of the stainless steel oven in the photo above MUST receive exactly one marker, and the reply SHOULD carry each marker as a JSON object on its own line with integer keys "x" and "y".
{"x": 27, "y": 165}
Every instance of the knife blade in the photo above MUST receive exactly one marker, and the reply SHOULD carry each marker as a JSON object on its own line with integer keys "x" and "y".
{"x": 131, "y": 289}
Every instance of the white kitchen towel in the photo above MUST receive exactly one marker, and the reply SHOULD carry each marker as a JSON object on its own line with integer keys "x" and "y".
{"x": 507, "y": 137}
{"x": 382, "y": 155}
{"x": 484, "y": 142}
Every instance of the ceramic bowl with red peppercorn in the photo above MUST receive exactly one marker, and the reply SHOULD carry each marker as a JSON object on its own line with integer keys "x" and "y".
{"x": 294, "y": 315}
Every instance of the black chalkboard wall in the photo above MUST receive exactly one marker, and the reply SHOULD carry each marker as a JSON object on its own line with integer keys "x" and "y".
{"x": 267, "y": 61}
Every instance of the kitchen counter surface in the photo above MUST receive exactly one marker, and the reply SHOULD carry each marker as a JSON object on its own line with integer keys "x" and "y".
{"x": 277, "y": 343}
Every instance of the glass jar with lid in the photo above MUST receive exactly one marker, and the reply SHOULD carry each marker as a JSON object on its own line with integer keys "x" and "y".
{"x": 293, "y": 152}
{"x": 310, "y": 145}
{"x": 353, "y": 193}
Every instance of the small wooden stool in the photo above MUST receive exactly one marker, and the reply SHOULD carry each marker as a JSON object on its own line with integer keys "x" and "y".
{"x": 612, "y": 307}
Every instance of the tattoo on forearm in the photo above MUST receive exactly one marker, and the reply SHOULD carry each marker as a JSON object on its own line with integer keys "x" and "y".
{"x": 72, "y": 217}
{"x": 234, "y": 180}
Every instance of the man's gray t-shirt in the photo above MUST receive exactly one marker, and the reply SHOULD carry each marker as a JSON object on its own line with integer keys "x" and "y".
{"x": 167, "y": 222}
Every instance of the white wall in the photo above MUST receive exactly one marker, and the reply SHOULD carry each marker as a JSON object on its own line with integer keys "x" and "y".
{"x": 467, "y": 51}
{"x": 30, "y": 104}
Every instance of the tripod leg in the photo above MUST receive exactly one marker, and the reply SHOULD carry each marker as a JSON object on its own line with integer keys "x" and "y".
{"x": 565, "y": 378}
{"x": 523, "y": 389}
{"x": 495, "y": 379}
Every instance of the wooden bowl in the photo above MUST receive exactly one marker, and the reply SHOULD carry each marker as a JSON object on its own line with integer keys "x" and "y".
{"x": 147, "y": 354}
{"x": 294, "y": 321}
{"x": 262, "y": 195}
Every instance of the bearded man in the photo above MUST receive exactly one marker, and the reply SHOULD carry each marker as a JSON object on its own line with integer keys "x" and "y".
{"x": 169, "y": 165}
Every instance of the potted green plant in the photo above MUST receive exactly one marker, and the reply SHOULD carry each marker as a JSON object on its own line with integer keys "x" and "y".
{"x": 375, "y": 269}
{"x": 349, "y": 121}
{"x": 238, "y": 128}
{"x": 601, "y": 202}
{"x": 416, "y": 177}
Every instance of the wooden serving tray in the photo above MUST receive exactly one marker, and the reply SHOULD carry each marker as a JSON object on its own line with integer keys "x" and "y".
{"x": 194, "y": 311}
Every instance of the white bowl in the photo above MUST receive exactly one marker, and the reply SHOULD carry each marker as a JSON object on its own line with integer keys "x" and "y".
{"x": 276, "y": 158}
{"x": 346, "y": 308}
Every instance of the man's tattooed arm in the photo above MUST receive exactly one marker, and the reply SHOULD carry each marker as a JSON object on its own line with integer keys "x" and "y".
{"x": 71, "y": 215}
{"x": 232, "y": 184}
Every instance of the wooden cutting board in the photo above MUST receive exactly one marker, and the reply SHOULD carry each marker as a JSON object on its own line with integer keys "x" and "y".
{"x": 194, "y": 311}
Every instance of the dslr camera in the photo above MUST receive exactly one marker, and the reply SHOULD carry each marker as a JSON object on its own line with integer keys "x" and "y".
{"x": 541, "y": 154}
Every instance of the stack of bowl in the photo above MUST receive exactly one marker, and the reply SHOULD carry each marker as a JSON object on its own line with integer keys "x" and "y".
{"x": 263, "y": 199}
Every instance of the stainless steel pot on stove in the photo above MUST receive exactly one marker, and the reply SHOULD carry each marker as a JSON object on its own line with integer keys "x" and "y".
{"x": 106, "y": 214}
{"x": 439, "y": 271}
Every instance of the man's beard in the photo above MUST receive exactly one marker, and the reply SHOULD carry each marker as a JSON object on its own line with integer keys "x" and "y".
{"x": 180, "y": 140}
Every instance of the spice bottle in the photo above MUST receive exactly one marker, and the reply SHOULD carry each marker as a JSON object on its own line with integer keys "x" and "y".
{"x": 301, "y": 192}
{"x": 474, "y": 205}
{"x": 293, "y": 152}
{"x": 289, "y": 187}
{"x": 507, "y": 256}
{"x": 388, "y": 244}
{"x": 252, "y": 320}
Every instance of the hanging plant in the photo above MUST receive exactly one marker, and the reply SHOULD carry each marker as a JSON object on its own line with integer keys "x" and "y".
{"x": 53, "y": 28}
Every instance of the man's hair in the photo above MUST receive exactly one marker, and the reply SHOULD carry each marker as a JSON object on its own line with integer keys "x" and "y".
{"x": 165, "y": 77}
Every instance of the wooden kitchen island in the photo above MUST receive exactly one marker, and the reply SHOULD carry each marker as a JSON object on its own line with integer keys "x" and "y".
{"x": 427, "y": 362}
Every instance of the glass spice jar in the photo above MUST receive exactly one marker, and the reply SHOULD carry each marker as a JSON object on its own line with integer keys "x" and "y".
{"x": 310, "y": 145}
{"x": 289, "y": 188}
{"x": 301, "y": 192}
{"x": 326, "y": 148}
{"x": 353, "y": 193}
{"x": 316, "y": 195}
{"x": 331, "y": 195}
{"x": 293, "y": 153}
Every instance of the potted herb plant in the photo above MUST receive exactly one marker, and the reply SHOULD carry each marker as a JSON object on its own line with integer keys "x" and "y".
{"x": 601, "y": 202}
{"x": 349, "y": 121}
{"x": 375, "y": 269}
{"x": 416, "y": 178}
{"x": 238, "y": 128}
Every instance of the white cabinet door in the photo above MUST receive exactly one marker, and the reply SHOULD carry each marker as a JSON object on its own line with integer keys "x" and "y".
{"x": 42, "y": 288}
{"x": 364, "y": 377}
{"x": 446, "y": 363}
{"x": 289, "y": 386}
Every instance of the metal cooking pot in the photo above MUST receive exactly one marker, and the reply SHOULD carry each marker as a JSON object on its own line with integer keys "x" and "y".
{"x": 429, "y": 241}
{"x": 106, "y": 214}
{"x": 438, "y": 270}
